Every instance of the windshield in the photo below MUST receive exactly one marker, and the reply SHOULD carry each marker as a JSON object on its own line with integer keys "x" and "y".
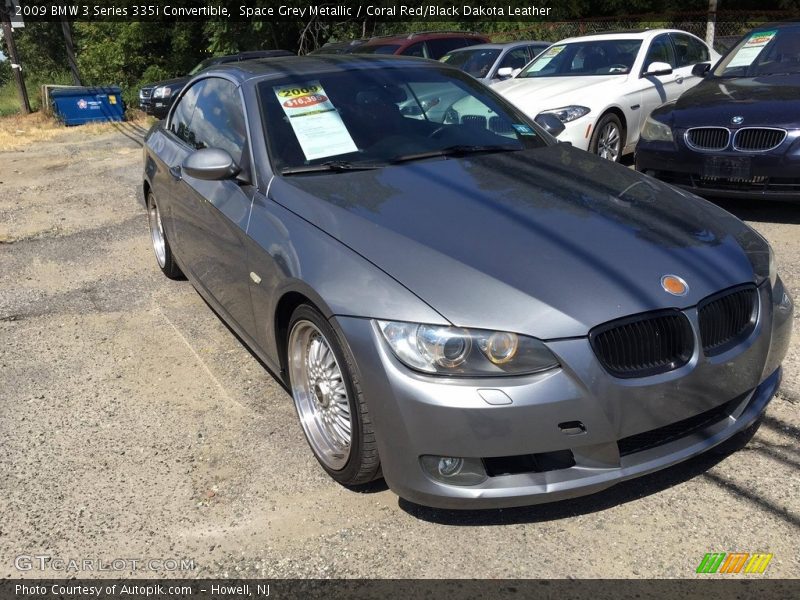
{"x": 599, "y": 57}
{"x": 761, "y": 53}
{"x": 202, "y": 65}
{"x": 377, "y": 49}
{"x": 477, "y": 63}
{"x": 377, "y": 116}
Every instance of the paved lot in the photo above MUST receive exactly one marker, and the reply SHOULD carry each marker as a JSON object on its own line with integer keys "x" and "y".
{"x": 133, "y": 424}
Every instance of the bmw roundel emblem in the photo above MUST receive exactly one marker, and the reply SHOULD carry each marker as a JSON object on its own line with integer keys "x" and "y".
{"x": 737, "y": 120}
{"x": 672, "y": 284}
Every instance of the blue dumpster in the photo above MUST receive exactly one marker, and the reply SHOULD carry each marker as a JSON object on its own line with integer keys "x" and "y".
{"x": 79, "y": 105}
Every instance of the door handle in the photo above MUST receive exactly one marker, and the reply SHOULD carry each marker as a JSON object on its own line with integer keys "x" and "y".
{"x": 679, "y": 79}
{"x": 175, "y": 172}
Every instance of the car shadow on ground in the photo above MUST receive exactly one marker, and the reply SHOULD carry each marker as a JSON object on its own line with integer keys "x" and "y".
{"x": 621, "y": 493}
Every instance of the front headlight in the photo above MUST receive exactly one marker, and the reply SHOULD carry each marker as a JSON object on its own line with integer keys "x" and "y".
{"x": 566, "y": 114}
{"x": 162, "y": 92}
{"x": 760, "y": 255}
{"x": 655, "y": 131}
{"x": 465, "y": 352}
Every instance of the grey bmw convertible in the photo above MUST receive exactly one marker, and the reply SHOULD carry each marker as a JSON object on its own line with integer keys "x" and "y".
{"x": 458, "y": 303}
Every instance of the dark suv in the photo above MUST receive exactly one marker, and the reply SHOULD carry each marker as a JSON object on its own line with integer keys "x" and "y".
{"x": 156, "y": 98}
{"x": 427, "y": 44}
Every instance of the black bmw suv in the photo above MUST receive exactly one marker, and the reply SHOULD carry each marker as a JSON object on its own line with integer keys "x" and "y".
{"x": 737, "y": 133}
{"x": 156, "y": 98}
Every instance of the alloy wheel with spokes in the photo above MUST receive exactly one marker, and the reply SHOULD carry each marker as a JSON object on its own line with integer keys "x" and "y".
{"x": 608, "y": 146}
{"x": 320, "y": 394}
{"x": 607, "y": 140}
{"x": 157, "y": 233}
{"x": 158, "y": 238}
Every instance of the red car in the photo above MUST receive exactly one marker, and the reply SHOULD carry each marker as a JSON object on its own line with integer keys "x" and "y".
{"x": 427, "y": 44}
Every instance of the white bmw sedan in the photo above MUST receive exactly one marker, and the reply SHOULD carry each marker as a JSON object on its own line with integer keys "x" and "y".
{"x": 603, "y": 87}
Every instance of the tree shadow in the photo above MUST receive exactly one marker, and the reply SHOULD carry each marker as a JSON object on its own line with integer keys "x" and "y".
{"x": 761, "y": 211}
{"x": 622, "y": 493}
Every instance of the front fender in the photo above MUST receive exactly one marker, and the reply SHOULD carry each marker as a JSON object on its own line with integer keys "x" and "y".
{"x": 289, "y": 255}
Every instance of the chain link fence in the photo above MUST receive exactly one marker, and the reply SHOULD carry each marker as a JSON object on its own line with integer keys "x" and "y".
{"x": 728, "y": 28}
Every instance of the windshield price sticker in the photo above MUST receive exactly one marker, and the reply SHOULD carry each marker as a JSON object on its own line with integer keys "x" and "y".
{"x": 748, "y": 53}
{"x": 315, "y": 121}
{"x": 546, "y": 57}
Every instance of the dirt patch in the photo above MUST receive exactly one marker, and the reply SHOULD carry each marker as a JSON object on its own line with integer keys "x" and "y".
{"x": 18, "y": 131}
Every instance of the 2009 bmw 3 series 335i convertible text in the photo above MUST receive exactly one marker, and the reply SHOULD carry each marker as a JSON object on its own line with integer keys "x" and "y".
{"x": 459, "y": 304}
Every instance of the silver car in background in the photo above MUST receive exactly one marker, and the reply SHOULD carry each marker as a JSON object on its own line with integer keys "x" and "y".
{"x": 489, "y": 63}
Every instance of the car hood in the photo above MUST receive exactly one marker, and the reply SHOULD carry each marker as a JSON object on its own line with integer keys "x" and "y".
{"x": 773, "y": 101}
{"x": 167, "y": 82}
{"x": 554, "y": 92}
{"x": 547, "y": 242}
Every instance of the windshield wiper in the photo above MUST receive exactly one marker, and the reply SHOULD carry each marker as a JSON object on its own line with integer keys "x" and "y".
{"x": 457, "y": 150}
{"x": 331, "y": 165}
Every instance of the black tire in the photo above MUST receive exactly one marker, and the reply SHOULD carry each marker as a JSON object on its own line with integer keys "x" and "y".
{"x": 598, "y": 146}
{"x": 363, "y": 463}
{"x": 165, "y": 259}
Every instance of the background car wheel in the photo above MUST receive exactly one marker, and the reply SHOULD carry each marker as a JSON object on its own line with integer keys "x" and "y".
{"x": 164, "y": 256}
{"x": 329, "y": 401}
{"x": 607, "y": 139}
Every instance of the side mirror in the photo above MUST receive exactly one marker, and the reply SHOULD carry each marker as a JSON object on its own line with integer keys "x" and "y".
{"x": 505, "y": 72}
{"x": 211, "y": 164}
{"x": 550, "y": 123}
{"x": 658, "y": 68}
{"x": 701, "y": 69}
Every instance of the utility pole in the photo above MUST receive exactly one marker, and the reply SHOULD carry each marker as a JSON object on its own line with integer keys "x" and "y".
{"x": 73, "y": 63}
{"x": 711, "y": 23}
{"x": 16, "y": 68}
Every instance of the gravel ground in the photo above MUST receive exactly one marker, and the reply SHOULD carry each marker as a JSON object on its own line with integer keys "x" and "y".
{"x": 133, "y": 424}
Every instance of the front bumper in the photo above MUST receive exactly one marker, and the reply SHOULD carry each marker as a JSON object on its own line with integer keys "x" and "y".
{"x": 156, "y": 107}
{"x": 775, "y": 174}
{"x": 416, "y": 415}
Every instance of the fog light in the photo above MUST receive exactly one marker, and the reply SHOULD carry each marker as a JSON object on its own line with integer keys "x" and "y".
{"x": 453, "y": 470}
{"x": 449, "y": 466}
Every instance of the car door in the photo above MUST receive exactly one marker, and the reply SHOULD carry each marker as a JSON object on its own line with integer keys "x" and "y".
{"x": 211, "y": 216}
{"x": 689, "y": 51}
{"x": 656, "y": 89}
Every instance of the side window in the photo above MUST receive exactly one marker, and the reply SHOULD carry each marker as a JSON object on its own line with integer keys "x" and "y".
{"x": 182, "y": 114}
{"x": 689, "y": 51}
{"x": 660, "y": 51}
{"x": 535, "y": 51}
{"x": 218, "y": 120}
{"x": 438, "y": 48}
{"x": 417, "y": 49}
{"x": 516, "y": 59}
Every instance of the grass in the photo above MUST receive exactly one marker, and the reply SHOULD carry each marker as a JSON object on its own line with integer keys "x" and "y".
{"x": 18, "y": 130}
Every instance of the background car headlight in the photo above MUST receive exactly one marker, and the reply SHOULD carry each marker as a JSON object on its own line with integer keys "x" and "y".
{"x": 465, "y": 352}
{"x": 655, "y": 131}
{"x": 566, "y": 114}
{"x": 162, "y": 92}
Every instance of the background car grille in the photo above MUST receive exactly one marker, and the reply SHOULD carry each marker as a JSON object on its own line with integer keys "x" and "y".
{"x": 643, "y": 344}
{"x": 758, "y": 139}
{"x": 727, "y": 318}
{"x": 145, "y": 92}
{"x": 708, "y": 138}
{"x": 676, "y": 431}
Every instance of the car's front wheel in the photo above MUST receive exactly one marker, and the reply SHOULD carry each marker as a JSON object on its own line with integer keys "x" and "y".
{"x": 329, "y": 401}
{"x": 607, "y": 139}
{"x": 164, "y": 257}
